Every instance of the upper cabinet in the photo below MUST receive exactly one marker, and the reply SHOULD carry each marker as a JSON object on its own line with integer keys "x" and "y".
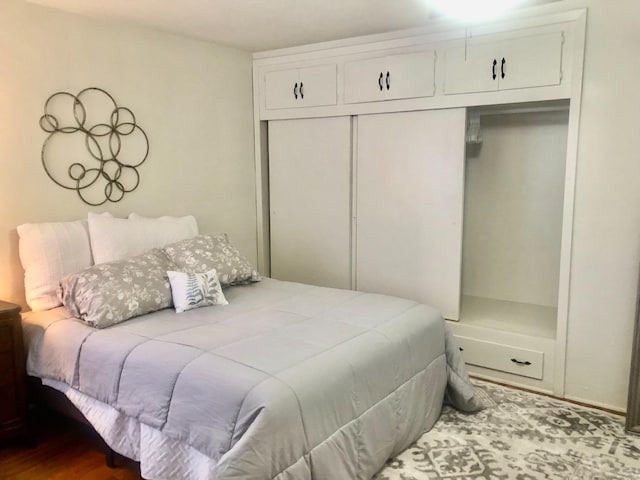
{"x": 300, "y": 87}
{"x": 391, "y": 77}
{"x": 493, "y": 63}
{"x": 527, "y": 59}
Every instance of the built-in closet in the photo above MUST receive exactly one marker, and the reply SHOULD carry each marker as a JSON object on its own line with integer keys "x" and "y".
{"x": 512, "y": 232}
{"x": 437, "y": 166}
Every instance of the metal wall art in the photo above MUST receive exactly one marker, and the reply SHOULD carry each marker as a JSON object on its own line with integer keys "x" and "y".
{"x": 94, "y": 146}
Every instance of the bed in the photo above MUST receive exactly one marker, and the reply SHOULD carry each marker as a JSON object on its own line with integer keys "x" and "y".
{"x": 286, "y": 381}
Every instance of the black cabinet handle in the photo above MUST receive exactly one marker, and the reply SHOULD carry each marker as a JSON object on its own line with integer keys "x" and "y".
{"x": 301, "y": 91}
{"x": 388, "y": 81}
{"x": 520, "y": 362}
{"x": 493, "y": 68}
{"x": 502, "y": 67}
{"x": 461, "y": 349}
{"x": 380, "y": 81}
{"x": 295, "y": 90}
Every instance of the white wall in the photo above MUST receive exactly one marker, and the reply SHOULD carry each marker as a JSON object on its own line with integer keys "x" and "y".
{"x": 606, "y": 243}
{"x": 193, "y": 99}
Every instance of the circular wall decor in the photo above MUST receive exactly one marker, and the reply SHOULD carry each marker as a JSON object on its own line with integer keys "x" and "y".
{"x": 94, "y": 146}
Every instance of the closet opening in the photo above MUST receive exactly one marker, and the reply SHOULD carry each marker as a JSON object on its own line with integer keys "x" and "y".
{"x": 513, "y": 208}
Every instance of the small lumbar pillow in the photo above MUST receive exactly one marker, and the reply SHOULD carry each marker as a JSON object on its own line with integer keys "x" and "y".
{"x": 109, "y": 293}
{"x": 212, "y": 252}
{"x": 195, "y": 290}
{"x": 48, "y": 252}
{"x": 118, "y": 238}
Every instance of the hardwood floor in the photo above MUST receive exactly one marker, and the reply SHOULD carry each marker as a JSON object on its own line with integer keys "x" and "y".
{"x": 64, "y": 450}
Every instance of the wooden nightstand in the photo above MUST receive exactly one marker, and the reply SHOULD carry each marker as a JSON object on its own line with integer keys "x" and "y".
{"x": 13, "y": 398}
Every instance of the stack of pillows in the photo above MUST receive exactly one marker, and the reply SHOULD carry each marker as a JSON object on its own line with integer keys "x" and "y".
{"x": 105, "y": 270}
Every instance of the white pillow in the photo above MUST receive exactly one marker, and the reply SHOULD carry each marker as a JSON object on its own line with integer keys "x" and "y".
{"x": 48, "y": 252}
{"x": 165, "y": 218}
{"x": 195, "y": 290}
{"x": 119, "y": 238}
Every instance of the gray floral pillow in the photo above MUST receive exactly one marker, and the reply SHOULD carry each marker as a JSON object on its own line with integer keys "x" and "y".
{"x": 212, "y": 252}
{"x": 109, "y": 293}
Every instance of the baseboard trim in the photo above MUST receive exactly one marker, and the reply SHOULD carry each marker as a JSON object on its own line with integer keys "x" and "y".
{"x": 575, "y": 401}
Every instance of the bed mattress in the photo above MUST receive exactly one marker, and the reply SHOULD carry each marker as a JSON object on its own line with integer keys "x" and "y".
{"x": 288, "y": 381}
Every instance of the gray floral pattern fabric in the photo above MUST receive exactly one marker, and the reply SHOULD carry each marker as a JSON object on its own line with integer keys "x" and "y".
{"x": 195, "y": 290}
{"x": 109, "y": 293}
{"x": 212, "y": 252}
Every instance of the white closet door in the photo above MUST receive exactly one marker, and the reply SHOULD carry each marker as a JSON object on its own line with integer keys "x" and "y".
{"x": 310, "y": 200}
{"x": 410, "y": 181}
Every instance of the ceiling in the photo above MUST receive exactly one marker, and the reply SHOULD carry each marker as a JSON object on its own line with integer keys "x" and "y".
{"x": 256, "y": 25}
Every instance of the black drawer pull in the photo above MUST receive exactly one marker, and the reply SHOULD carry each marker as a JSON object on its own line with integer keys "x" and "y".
{"x": 301, "y": 91}
{"x": 521, "y": 363}
{"x": 388, "y": 80}
{"x": 502, "y": 67}
{"x": 380, "y": 81}
{"x": 461, "y": 349}
{"x": 493, "y": 68}
{"x": 295, "y": 90}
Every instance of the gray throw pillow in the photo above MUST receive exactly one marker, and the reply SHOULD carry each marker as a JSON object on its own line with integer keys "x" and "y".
{"x": 212, "y": 252}
{"x": 109, "y": 293}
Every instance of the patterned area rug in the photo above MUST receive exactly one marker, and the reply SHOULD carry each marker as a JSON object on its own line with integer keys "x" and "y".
{"x": 520, "y": 436}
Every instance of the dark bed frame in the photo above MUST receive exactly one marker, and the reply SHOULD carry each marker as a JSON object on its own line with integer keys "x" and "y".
{"x": 49, "y": 398}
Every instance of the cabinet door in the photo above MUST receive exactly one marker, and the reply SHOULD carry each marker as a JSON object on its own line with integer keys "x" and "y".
{"x": 317, "y": 86}
{"x": 279, "y": 89}
{"x": 524, "y": 62}
{"x": 364, "y": 80}
{"x": 310, "y": 200}
{"x": 534, "y": 61}
{"x": 470, "y": 69}
{"x": 410, "y": 75}
{"x": 393, "y": 77}
{"x": 301, "y": 87}
{"x": 409, "y": 202}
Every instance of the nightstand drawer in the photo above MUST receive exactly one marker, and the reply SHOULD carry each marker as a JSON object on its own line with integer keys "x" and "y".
{"x": 6, "y": 376}
{"x": 8, "y": 404}
{"x": 6, "y": 361}
{"x": 6, "y": 340}
{"x": 506, "y": 358}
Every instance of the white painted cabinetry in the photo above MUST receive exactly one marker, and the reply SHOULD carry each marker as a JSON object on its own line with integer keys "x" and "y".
{"x": 492, "y": 63}
{"x": 391, "y": 77}
{"x": 501, "y": 357}
{"x": 300, "y": 87}
{"x": 310, "y": 200}
{"x": 365, "y": 179}
{"x": 409, "y": 202}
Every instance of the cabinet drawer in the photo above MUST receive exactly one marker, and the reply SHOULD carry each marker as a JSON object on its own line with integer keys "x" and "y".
{"x": 6, "y": 361}
{"x": 505, "y": 358}
{"x": 6, "y": 376}
{"x": 8, "y": 404}
{"x": 6, "y": 340}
